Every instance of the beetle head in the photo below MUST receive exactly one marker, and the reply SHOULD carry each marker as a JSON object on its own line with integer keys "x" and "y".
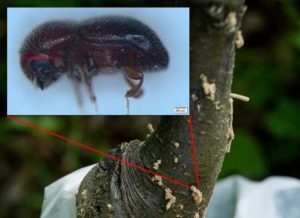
{"x": 42, "y": 70}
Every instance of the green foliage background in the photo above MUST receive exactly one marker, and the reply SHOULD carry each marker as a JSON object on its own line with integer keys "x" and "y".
{"x": 267, "y": 139}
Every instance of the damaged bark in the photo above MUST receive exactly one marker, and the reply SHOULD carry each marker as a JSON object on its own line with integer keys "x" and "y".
{"x": 113, "y": 189}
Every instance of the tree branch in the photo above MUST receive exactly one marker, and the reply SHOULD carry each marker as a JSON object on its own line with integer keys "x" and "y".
{"x": 113, "y": 189}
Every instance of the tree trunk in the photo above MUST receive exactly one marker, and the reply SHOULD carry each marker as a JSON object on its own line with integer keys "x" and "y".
{"x": 114, "y": 189}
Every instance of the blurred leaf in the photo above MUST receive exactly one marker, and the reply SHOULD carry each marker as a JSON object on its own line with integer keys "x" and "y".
{"x": 15, "y": 126}
{"x": 42, "y": 173}
{"x": 295, "y": 40}
{"x": 290, "y": 9}
{"x": 49, "y": 122}
{"x": 33, "y": 201}
{"x": 245, "y": 157}
{"x": 284, "y": 152}
{"x": 284, "y": 121}
{"x": 258, "y": 83}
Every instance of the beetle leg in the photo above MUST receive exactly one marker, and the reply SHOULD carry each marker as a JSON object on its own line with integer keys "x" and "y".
{"x": 77, "y": 91}
{"x": 88, "y": 82}
{"x": 75, "y": 84}
{"x": 91, "y": 63}
{"x": 133, "y": 74}
{"x": 75, "y": 77}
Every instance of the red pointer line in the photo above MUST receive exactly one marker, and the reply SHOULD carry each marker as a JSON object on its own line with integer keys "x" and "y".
{"x": 97, "y": 151}
{"x": 194, "y": 151}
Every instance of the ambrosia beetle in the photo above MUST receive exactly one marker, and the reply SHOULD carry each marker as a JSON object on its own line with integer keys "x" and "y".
{"x": 82, "y": 50}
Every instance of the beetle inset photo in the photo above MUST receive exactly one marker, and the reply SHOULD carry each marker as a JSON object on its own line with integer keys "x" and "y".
{"x": 94, "y": 49}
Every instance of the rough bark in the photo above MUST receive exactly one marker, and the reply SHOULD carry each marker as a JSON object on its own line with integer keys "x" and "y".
{"x": 113, "y": 189}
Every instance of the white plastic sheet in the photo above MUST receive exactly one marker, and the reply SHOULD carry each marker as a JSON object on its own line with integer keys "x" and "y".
{"x": 237, "y": 197}
{"x": 60, "y": 196}
{"x": 234, "y": 197}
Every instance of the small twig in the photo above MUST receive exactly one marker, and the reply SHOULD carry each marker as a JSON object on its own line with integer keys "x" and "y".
{"x": 239, "y": 97}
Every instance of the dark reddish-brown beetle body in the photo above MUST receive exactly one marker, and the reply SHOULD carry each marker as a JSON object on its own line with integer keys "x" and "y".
{"x": 82, "y": 50}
